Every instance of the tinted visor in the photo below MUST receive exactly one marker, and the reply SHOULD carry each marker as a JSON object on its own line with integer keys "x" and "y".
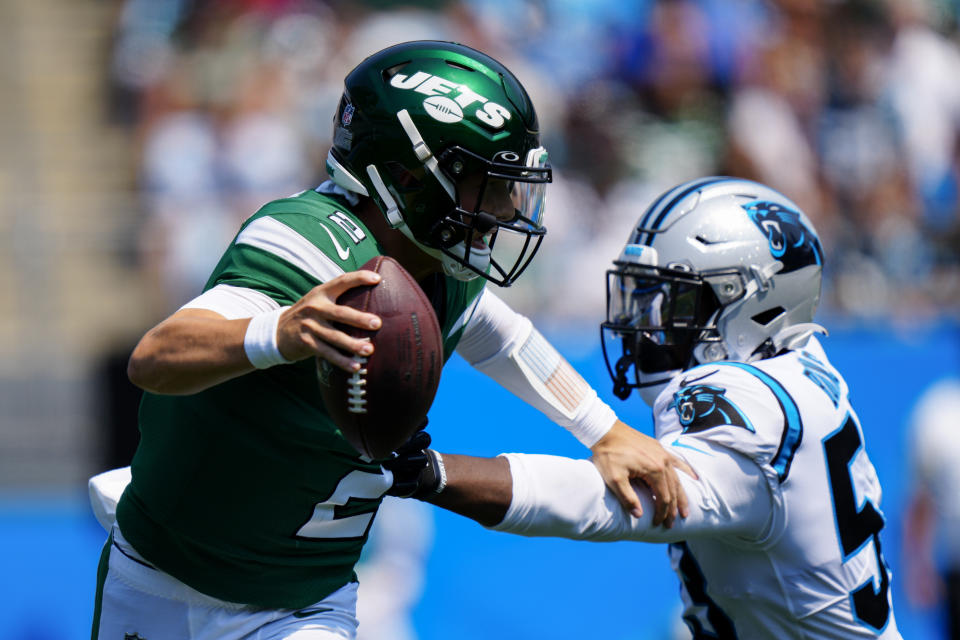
{"x": 663, "y": 308}
{"x": 655, "y": 317}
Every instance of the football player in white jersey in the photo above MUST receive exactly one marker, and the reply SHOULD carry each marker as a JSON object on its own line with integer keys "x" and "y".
{"x": 709, "y": 317}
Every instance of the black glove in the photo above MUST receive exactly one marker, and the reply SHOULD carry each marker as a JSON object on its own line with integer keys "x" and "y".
{"x": 417, "y": 471}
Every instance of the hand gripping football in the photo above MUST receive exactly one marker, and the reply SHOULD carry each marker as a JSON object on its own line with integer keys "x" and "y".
{"x": 382, "y": 405}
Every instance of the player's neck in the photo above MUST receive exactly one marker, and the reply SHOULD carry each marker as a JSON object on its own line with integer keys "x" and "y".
{"x": 395, "y": 243}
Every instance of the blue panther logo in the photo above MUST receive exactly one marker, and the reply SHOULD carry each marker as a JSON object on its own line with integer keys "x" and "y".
{"x": 791, "y": 241}
{"x": 704, "y": 406}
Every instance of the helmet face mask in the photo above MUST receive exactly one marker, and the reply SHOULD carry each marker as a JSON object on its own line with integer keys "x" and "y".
{"x": 445, "y": 140}
{"x": 496, "y": 200}
{"x": 658, "y": 316}
{"x": 716, "y": 269}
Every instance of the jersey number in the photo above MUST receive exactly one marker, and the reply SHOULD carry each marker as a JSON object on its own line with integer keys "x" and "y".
{"x": 856, "y": 526}
{"x": 347, "y": 513}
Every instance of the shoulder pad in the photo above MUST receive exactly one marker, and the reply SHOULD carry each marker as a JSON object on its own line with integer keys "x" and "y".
{"x": 735, "y": 405}
{"x": 312, "y": 224}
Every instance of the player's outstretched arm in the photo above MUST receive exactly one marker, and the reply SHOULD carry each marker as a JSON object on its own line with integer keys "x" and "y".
{"x": 195, "y": 348}
{"x": 552, "y": 496}
{"x": 504, "y": 345}
{"x": 478, "y": 488}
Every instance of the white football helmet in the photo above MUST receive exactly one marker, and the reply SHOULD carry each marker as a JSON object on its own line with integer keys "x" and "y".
{"x": 716, "y": 269}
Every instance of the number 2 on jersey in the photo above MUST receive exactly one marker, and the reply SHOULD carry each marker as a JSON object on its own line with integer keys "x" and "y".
{"x": 856, "y": 526}
{"x": 347, "y": 513}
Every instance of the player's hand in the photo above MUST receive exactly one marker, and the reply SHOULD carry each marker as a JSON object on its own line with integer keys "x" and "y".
{"x": 415, "y": 469}
{"x": 624, "y": 454}
{"x": 307, "y": 327}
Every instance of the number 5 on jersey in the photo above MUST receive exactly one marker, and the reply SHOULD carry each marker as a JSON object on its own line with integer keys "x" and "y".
{"x": 856, "y": 526}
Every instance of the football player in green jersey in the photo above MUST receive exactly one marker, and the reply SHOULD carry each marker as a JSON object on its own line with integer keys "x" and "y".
{"x": 247, "y": 509}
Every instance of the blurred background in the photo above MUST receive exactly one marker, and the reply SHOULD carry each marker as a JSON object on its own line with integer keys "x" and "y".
{"x": 136, "y": 135}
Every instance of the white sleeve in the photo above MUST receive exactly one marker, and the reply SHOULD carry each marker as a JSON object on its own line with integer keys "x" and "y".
{"x": 565, "y": 498}
{"x": 233, "y": 302}
{"x": 506, "y": 346}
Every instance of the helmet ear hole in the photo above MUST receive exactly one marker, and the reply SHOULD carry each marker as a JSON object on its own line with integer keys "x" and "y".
{"x": 766, "y": 317}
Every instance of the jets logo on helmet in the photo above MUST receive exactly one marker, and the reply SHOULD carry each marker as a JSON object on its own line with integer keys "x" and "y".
{"x": 446, "y": 142}
{"x": 443, "y": 109}
{"x": 491, "y": 114}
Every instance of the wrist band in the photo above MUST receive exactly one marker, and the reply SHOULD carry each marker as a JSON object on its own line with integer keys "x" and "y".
{"x": 440, "y": 470}
{"x": 260, "y": 341}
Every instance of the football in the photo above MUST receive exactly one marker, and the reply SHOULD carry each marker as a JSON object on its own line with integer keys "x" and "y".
{"x": 382, "y": 405}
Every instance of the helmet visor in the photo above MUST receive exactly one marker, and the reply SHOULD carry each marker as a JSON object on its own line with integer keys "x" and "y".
{"x": 528, "y": 192}
{"x": 664, "y": 308}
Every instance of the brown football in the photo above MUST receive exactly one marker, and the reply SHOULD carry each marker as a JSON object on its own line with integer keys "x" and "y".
{"x": 380, "y": 406}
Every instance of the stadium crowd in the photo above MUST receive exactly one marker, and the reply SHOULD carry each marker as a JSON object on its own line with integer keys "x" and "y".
{"x": 846, "y": 106}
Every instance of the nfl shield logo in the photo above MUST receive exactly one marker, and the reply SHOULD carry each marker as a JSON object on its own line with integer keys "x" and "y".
{"x": 347, "y": 116}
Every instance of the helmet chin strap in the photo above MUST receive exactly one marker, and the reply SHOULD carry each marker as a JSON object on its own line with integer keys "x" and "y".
{"x": 451, "y": 266}
{"x": 424, "y": 154}
{"x": 479, "y": 259}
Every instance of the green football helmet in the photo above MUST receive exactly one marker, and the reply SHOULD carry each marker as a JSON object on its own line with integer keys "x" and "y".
{"x": 446, "y": 142}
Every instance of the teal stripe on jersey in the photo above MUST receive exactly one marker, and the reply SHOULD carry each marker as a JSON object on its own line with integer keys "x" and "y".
{"x": 792, "y": 424}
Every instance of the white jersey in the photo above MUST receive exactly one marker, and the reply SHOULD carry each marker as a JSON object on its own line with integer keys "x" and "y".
{"x": 783, "y": 539}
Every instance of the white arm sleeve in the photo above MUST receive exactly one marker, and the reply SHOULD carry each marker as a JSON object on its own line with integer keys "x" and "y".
{"x": 504, "y": 345}
{"x": 233, "y": 302}
{"x": 565, "y": 498}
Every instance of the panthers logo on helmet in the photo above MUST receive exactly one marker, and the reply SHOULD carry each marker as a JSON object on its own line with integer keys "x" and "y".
{"x": 791, "y": 242}
{"x": 704, "y": 406}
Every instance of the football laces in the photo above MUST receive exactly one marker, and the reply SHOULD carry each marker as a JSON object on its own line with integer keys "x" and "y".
{"x": 356, "y": 393}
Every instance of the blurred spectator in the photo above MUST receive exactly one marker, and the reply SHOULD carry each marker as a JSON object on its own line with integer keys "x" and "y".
{"x": 846, "y": 106}
{"x": 927, "y": 105}
{"x": 931, "y": 547}
{"x": 773, "y": 109}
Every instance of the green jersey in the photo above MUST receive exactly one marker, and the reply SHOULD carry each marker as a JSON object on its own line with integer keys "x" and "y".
{"x": 247, "y": 491}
